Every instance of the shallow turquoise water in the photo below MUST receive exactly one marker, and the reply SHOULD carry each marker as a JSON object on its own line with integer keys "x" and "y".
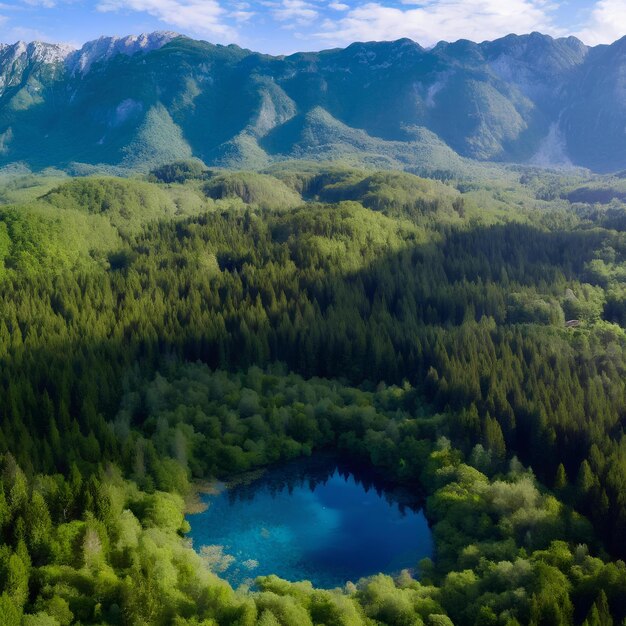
{"x": 312, "y": 520}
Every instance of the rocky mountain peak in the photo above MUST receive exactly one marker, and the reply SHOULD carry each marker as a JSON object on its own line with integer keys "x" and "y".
{"x": 35, "y": 51}
{"x": 105, "y": 48}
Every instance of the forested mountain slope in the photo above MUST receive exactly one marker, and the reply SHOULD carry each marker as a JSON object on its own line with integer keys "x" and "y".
{"x": 141, "y": 101}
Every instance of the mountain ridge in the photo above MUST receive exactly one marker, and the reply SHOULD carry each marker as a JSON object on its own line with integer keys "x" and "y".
{"x": 521, "y": 98}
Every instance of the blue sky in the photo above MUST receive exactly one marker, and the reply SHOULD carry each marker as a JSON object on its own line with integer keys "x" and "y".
{"x": 285, "y": 26}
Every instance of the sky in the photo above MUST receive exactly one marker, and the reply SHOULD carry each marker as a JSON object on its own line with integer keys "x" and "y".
{"x": 286, "y": 26}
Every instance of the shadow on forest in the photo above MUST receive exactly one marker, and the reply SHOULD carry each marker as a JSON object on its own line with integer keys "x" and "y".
{"x": 403, "y": 316}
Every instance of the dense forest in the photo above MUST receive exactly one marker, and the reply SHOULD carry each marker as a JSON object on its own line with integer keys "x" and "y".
{"x": 466, "y": 338}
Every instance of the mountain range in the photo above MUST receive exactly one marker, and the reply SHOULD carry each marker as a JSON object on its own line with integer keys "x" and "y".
{"x": 139, "y": 101}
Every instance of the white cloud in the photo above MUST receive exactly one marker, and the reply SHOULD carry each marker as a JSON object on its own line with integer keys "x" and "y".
{"x": 46, "y": 4}
{"x": 241, "y": 16}
{"x": 204, "y": 17}
{"x": 338, "y": 6}
{"x": 295, "y": 12}
{"x": 607, "y": 23}
{"x": 435, "y": 20}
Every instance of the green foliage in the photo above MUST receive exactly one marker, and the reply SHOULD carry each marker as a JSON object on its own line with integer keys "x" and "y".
{"x": 9, "y": 612}
{"x": 394, "y": 193}
{"x": 146, "y": 335}
{"x": 127, "y": 204}
{"x": 179, "y": 172}
{"x": 158, "y": 140}
{"x": 254, "y": 189}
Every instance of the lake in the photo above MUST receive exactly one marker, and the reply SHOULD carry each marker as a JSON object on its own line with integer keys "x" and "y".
{"x": 315, "y": 519}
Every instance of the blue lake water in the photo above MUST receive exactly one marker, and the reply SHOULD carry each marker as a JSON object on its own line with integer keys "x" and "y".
{"x": 311, "y": 520}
